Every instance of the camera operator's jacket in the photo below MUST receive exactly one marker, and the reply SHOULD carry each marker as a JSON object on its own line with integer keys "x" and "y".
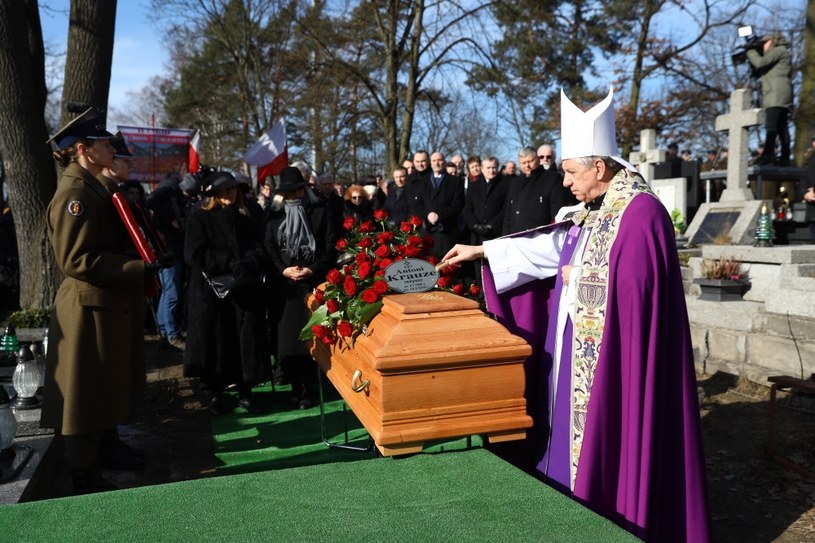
{"x": 775, "y": 69}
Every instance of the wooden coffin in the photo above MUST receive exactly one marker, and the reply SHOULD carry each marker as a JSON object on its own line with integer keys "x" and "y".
{"x": 432, "y": 366}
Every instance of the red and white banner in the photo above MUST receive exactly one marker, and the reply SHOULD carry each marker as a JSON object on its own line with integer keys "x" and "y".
{"x": 270, "y": 153}
{"x": 194, "y": 154}
{"x": 157, "y": 151}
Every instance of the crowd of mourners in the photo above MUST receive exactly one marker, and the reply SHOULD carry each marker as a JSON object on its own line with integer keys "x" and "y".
{"x": 279, "y": 242}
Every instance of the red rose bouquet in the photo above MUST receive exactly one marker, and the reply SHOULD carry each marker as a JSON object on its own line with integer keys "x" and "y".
{"x": 352, "y": 294}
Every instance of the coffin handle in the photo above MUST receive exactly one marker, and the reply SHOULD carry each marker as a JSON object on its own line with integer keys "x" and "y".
{"x": 357, "y": 384}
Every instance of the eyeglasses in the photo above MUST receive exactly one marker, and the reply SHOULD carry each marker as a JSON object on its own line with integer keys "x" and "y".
{"x": 543, "y": 157}
{"x": 356, "y": 197}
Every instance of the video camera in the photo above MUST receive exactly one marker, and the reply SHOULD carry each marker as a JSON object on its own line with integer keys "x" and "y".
{"x": 751, "y": 41}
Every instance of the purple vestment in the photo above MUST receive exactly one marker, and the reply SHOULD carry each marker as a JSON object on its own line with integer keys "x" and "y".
{"x": 641, "y": 463}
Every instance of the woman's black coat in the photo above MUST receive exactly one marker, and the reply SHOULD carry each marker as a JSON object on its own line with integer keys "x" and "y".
{"x": 226, "y": 339}
{"x": 290, "y": 309}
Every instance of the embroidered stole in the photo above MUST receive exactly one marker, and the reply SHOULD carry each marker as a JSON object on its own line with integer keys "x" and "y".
{"x": 592, "y": 298}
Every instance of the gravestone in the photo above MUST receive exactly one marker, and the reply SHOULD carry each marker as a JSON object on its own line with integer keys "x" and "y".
{"x": 736, "y": 123}
{"x": 648, "y": 155}
{"x": 672, "y": 193}
{"x": 734, "y": 215}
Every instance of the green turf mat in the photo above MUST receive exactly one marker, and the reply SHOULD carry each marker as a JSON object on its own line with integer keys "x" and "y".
{"x": 283, "y": 437}
{"x": 462, "y": 496}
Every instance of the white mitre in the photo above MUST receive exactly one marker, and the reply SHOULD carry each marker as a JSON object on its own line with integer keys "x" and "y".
{"x": 589, "y": 133}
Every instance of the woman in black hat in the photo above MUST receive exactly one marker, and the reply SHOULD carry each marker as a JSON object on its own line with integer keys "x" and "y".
{"x": 300, "y": 240}
{"x": 226, "y": 337}
{"x": 95, "y": 362}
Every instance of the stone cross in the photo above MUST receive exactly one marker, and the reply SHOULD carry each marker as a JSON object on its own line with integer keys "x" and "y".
{"x": 736, "y": 123}
{"x": 648, "y": 155}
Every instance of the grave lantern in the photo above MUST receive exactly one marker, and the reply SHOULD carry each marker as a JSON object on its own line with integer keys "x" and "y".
{"x": 26, "y": 380}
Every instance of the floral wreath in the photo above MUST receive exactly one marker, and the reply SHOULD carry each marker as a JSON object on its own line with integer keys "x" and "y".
{"x": 352, "y": 294}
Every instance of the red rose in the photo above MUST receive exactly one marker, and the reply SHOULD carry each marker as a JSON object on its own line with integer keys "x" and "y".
{"x": 380, "y": 214}
{"x": 379, "y": 273}
{"x": 350, "y": 286}
{"x": 406, "y": 227}
{"x": 370, "y": 296}
{"x": 444, "y": 282}
{"x": 415, "y": 221}
{"x": 384, "y": 263}
{"x": 382, "y": 251}
{"x": 412, "y": 251}
{"x": 318, "y": 296}
{"x": 364, "y": 270}
{"x": 319, "y": 330}
{"x": 415, "y": 240}
{"x": 474, "y": 289}
{"x": 345, "y": 329}
{"x": 458, "y": 289}
{"x": 333, "y": 306}
{"x": 342, "y": 245}
{"x": 349, "y": 223}
{"x": 328, "y": 340}
{"x": 380, "y": 287}
{"x": 367, "y": 226}
{"x": 432, "y": 259}
{"x": 399, "y": 249}
{"x": 364, "y": 243}
{"x": 384, "y": 237}
{"x": 334, "y": 277}
{"x": 363, "y": 257}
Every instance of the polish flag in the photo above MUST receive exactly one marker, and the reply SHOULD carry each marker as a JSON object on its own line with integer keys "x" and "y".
{"x": 270, "y": 153}
{"x": 193, "y": 156}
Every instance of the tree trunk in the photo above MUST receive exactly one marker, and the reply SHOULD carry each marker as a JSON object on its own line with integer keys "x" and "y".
{"x": 90, "y": 54}
{"x": 29, "y": 169}
{"x": 805, "y": 116}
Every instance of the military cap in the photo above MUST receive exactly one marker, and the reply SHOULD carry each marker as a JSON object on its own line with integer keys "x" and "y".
{"x": 87, "y": 126}
{"x": 120, "y": 145}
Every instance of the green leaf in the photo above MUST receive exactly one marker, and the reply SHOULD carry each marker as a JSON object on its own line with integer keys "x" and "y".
{"x": 369, "y": 311}
{"x": 320, "y": 315}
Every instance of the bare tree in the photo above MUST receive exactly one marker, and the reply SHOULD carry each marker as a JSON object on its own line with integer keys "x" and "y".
{"x": 29, "y": 169}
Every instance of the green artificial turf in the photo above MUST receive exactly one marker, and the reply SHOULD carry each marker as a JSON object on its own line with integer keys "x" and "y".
{"x": 283, "y": 437}
{"x": 461, "y": 496}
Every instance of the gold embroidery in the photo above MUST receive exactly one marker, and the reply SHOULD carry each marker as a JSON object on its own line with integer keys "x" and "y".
{"x": 592, "y": 298}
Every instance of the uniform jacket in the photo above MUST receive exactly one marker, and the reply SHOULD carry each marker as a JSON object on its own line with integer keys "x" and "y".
{"x": 775, "y": 69}
{"x": 226, "y": 338}
{"x": 96, "y": 360}
{"x": 484, "y": 204}
{"x": 535, "y": 200}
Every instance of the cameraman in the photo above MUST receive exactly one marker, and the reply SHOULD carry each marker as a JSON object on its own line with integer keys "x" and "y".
{"x": 773, "y": 66}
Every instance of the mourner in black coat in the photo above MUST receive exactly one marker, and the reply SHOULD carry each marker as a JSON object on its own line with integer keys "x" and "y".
{"x": 438, "y": 201}
{"x": 397, "y": 201}
{"x": 808, "y": 189}
{"x": 300, "y": 240}
{"x": 535, "y": 196}
{"x": 485, "y": 203}
{"x": 226, "y": 338}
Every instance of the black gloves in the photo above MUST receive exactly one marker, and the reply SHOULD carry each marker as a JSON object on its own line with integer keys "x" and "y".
{"x": 483, "y": 230}
{"x": 163, "y": 261}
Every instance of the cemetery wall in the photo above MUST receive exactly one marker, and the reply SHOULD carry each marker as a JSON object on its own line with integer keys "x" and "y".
{"x": 772, "y": 330}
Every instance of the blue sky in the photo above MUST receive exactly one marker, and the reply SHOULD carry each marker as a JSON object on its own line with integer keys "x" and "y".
{"x": 138, "y": 53}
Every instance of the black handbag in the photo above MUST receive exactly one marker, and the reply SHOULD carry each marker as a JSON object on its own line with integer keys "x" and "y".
{"x": 221, "y": 284}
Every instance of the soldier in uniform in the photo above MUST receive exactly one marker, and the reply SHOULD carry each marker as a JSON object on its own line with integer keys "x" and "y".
{"x": 95, "y": 362}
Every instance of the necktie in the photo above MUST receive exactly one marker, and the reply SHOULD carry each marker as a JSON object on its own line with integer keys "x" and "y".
{"x": 437, "y": 181}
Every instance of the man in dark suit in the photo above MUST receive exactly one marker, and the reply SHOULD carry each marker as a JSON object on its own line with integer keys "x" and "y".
{"x": 535, "y": 196}
{"x": 397, "y": 202}
{"x": 484, "y": 206}
{"x": 438, "y": 200}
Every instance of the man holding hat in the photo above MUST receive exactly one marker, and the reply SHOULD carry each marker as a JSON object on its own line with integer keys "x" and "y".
{"x": 615, "y": 402}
